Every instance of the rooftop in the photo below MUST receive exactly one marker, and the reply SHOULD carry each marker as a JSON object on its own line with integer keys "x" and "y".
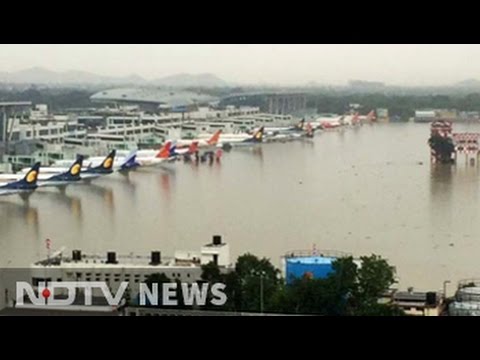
{"x": 154, "y": 96}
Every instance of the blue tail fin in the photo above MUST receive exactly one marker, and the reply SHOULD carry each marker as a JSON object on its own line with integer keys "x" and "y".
{"x": 130, "y": 162}
{"x": 106, "y": 167}
{"x": 73, "y": 174}
{"x": 29, "y": 182}
{"x": 172, "y": 151}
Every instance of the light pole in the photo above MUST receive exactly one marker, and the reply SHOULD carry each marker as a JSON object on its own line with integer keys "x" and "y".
{"x": 445, "y": 288}
{"x": 261, "y": 292}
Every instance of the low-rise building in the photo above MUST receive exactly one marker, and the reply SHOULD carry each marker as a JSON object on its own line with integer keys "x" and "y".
{"x": 418, "y": 303}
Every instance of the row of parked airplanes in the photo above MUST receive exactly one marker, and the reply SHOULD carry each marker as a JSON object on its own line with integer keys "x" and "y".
{"x": 64, "y": 172}
{"x": 67, "y": 172}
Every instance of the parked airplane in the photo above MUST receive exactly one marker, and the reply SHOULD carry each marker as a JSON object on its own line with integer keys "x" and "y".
{"x": 203, "y": 141}
{"x": 163, "y": 155}
{"x": 330, "y": 122}
{"x": 242, "y": 139}
{"x": 285, "y": 129}
{"x": 310, "y": 131}
{"x": 370, "y": 117}
{"x": 105, "y": 168}
{"x": 70, "y": 176}
{"x": 25, "y": 185}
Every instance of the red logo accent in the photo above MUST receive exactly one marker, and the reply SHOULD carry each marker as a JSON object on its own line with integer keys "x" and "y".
{"x": 46, "y": 293}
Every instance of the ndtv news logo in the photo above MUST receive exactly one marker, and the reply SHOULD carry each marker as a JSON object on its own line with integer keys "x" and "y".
{"x": 192, "y": 294}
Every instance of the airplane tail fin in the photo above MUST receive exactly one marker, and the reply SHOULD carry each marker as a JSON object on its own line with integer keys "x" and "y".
{"x": 172, "y": 151}
{"x": 355, "y": 118}
{"x": 300, "y": 125}
{"x": 164, "y": 152}
{"x": 258, "y": 136}
{"x": 371, "y": 116}
{"x": 193, "y": 148}
{"x": 73, "y": 173}
{"x": 130, "y": 161}
{"x": 106, "y": 167}
{"x": 214, "y": 139}
{"x": 310, "y": 130}
{"x": 29, "y": 182}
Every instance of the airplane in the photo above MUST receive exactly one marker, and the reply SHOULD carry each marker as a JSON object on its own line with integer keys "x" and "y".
{"x": 285, "y": 129}
{"x": 330, "y": 122}
{"x": 203, "y": 141}
{"x": 356, "y": 119}
{"x": 129, "y": 163}
{"x": 370, "y": 117}
{"x": 25, "y": 185}
{"x": 105, "y": 168}
{"x": 119, "y": 163}
{"x": 310, "y": 131}
{"x": 242, "y": 139}
{"x": 61, "y": 174}
{"x": 65, "y": 178}
{"x": 75, "y": 173}
{"x": 165, "y": 154}
{"x": 192, "y": 149}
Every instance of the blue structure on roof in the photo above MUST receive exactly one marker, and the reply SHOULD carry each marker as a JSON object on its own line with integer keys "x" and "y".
{"x": 317, "y": 267}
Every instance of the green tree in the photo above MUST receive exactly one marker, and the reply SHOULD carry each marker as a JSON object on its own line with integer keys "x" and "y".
{"x": 258, "y": 281}
{"x": 211, "y": 273}
{"x": 375, "y": 277}
{"x": 347, "y": 290}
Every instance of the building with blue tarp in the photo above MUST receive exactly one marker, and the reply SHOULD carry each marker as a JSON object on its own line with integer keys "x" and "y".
{"x": 317, "y": 267}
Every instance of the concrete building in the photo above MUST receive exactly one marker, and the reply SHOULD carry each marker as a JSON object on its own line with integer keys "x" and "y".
{"x": 269, "y": 102}
{"x": 382, "y": 115}
{"x": 425, "y": 116}
{"x": 154, "y": 99}
{"x": 416, "y": 303}
{"x": 7, "y": 110}
{"x": 436, "y": 114}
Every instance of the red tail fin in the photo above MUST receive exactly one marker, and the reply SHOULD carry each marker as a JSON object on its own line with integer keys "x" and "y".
{"x": 193, "y": 147}
{"x": 355, "y": 118}
{"x": 164, "y": 152}
{"x": 371, "y": 115}
{"x": 214, "y": 139}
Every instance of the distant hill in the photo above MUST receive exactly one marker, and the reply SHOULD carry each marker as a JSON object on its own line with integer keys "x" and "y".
{"x": 42, "y": 76}
{"x": 470, "y": 83}
{"x": 38, "y": 75}
{"x": 186, "y": 80}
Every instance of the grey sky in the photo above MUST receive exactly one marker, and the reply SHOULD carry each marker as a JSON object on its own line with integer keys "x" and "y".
{"x": 275, "y": 64}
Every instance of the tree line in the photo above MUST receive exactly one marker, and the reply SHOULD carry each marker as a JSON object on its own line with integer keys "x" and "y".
{"x": 401, "y": 105}
{"x": 255, "y": 285}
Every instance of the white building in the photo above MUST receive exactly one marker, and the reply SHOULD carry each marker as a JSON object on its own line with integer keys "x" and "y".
{"x": 185, "y": 266}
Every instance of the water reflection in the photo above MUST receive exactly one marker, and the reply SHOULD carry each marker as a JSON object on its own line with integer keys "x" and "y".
{"x": 124, "y": 180}
{"x": 24, "y": 211}
{"x": 376, "y": 192}
{"x": 105, "y": 193}
{"x": 165, "y": 183}
{"x": 60, "y": 198}
{"x": 258, "y": 152}
{"x": 441, "y": 176}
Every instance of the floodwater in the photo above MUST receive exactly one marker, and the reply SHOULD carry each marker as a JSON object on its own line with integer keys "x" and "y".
{"x": 360, "y": 190}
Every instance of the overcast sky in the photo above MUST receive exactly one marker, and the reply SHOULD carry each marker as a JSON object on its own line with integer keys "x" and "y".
{"x": 275, "y": 64}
